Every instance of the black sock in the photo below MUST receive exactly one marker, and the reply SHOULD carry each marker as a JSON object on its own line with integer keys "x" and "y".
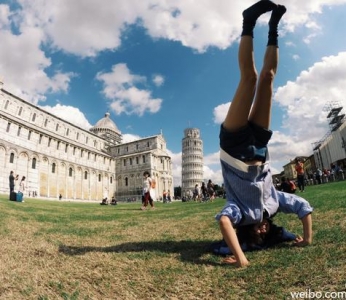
{"x": 275, "y": 18}
{"x": 252, "y": 13}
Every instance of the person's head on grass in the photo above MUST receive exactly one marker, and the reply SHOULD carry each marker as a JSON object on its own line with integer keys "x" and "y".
{"x": 254, "y": 234}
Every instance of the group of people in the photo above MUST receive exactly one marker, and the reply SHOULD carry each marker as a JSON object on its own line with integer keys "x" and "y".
{"x": 166, "y": 196}
{"x": 105, "y": 201}
{"x": 335, "y": 173}
{"x": 204, "y": 193}
{"x": 17, "y": 187}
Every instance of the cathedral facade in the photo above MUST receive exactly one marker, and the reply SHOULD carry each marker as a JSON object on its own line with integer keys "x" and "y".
{"x": 60, "y": 158}
{"x": 132, "y": 159}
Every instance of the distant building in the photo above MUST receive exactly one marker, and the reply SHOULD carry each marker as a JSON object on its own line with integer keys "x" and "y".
{"x": 192, "y": 160}
{"x": 331, "y": 149}
{"x": 289, "y": 170}
{"x": 133, "y": 158}
{"x": 58, "y": 157}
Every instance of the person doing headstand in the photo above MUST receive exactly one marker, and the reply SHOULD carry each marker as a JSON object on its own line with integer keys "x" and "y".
{"x": 244, "y": 135}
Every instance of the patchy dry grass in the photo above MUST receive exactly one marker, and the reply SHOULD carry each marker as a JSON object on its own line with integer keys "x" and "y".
{"x": 64, "y": 250}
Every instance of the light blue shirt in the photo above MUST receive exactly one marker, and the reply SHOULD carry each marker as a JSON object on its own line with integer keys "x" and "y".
{"x": 250, "y": 192}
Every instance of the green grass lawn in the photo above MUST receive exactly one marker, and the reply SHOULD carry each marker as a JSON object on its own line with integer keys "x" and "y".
{"x": 66, "y": 250}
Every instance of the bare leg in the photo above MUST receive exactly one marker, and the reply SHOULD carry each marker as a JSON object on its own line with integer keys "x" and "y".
{"x": 239, "y": 109}
{"x": 238, "y": 113}
{"x": 261, "y": 110}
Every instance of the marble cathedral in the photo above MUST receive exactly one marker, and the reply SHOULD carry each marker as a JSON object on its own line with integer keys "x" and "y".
{"x": 60, "y": 158}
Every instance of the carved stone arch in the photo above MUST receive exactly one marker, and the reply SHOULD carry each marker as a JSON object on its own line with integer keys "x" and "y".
{"x": 44, "y": 176}
{"x": 45, "y": 159}
{"x": 28, "y": 112}
{"x": 70, "y": 166}
{"x": 62, "y": 127}
{"x": 40, "y": 118}
{"x": 2, "y": 155}
{"x": 23, "y": 155}
{"x": 2, "y": 101}
{"x": 51, "y": 124}
{"x": 54, "y": 161}
{"x": 13, "y": 150}
{"x": 72, "y": 132}
{"x": 35, "y": 155}
{"x": 3, "y": 147}
{"x": 87, "y": 172}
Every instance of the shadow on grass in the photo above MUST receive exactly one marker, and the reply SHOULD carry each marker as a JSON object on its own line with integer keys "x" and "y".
{"x": 190, "y": 251}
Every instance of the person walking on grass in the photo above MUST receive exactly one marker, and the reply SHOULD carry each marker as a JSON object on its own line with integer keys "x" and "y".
{"x": 244, "y": 135}
{"x": 147, "y": 185}
{"x": 211, "y": 192}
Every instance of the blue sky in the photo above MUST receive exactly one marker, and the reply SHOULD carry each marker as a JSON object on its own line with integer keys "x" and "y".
{"x": 172, "y": 64}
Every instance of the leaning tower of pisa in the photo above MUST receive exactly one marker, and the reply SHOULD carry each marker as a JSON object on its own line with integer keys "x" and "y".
{"x": 192, "y": 160}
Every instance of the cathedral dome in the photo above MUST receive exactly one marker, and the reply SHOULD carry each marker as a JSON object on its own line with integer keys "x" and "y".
{"x": 106, "y": 124}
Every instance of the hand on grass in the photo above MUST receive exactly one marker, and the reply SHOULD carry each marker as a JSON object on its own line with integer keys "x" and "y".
{"x": 300, "y": 242}
{"x": 232, "y": 261}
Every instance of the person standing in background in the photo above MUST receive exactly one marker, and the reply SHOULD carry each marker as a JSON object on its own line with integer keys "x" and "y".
{"x": 210, "y": 188}
{"x": 11, "y": 182}
{"x": 300, "y": 174}
{"x": 146, "y": 198}
{"x": 22, "y": 185}
{"x": 16, "y": 183}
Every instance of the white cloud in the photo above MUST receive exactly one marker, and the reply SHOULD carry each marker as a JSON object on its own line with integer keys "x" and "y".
{"x": 158, "y": 80}
{"x": 23, "y": 64}
{"x": 305, "y": 102}
{"x": 215, "y": 175}
{"x": 176, "y": 167}
{"x": 86, "y": 28}
{"x": 4, "y": 16}
{"x": 220, "y": 112}
{"x": 127, "y": 138}
{"x": 119, "y": 87}
{"x": 212, "y": 159}
{"x": 305, "y": 99}
{"x": 70, "y": 114}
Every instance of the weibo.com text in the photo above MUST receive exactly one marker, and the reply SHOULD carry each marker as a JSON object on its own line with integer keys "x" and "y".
{"x": 309, "y": 294}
